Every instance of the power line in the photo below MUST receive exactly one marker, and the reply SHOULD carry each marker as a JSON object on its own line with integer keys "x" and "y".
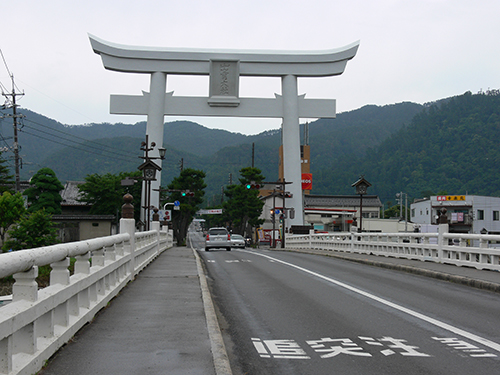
{"x": 57, "y": 101}
{"x": 110, "y": 156}
{"x": 106, "y": 146}
{"x": 5, "y": 63}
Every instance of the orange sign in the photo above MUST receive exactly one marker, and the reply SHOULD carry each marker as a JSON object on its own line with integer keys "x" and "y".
{"x": 307, "y": 181}
{"x": 441, "y": 198}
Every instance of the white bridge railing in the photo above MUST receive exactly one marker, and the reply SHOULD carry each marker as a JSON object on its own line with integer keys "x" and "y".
{"x": 471, "y": 250}
{"x": 39, "y": 321}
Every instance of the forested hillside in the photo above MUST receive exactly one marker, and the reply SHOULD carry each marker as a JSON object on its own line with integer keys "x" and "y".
{"x": 76, "y": 151}
{"x": 449, "y": 147}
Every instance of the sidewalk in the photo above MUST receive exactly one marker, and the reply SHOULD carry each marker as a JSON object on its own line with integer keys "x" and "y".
{"x": 483, "y": 279}
{"x": 156, "y": 325}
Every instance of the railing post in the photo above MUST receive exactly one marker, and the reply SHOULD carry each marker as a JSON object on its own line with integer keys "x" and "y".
{"x": 60, "y": 275}
{"x": 25, "y": 287}
{"x": 155, "y": 225}
{"x": 127, "y": 225}
{"x": 6, "y": 355}
{"x": 443, "y": 228}
{"x": 82, "y": 264}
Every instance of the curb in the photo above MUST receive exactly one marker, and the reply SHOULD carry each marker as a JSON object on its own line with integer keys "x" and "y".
{"x": 219, "y": 353}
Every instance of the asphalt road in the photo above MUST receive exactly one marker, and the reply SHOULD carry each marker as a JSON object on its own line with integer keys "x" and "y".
{"x": 293, "y": 313}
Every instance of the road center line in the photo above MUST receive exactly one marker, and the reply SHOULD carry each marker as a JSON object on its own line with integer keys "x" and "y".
{"x": 438, "y": 323}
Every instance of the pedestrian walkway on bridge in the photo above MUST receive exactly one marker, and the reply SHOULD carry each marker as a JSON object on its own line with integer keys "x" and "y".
{"x": 156, "y": 325}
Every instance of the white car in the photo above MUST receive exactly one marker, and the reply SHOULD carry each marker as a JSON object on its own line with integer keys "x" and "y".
{"x": 238, "y": 241}
{"x": 218, "y": 238}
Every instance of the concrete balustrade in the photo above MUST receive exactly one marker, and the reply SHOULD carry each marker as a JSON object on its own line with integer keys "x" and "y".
{"x": 39, "y": 321}
{"x": 471, "y": 250}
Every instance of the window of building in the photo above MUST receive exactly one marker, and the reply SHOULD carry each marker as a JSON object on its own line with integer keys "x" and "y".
{"x": 496, "y": 215}
{"x": 480, "y": 214}
{"x": 412, "y": 212}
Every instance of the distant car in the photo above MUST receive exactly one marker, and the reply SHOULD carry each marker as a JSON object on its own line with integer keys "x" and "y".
{"x": 218, "y": 238}
{"x": 238, "y": 241}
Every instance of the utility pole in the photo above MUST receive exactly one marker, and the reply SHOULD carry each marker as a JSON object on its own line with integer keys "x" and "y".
{"x": 181, "y": 164}
{"x": 15, "y": 147}
{"x": 253, "y": 155}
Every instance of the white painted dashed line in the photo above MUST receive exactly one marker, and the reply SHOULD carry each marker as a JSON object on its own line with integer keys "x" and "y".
{"x": 438, "y": 323}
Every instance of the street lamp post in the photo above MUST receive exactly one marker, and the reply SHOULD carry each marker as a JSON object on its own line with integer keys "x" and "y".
{"x": 361, "y": 188}
{"x": 148, "y": 169}
{"x": 400, "y": 197}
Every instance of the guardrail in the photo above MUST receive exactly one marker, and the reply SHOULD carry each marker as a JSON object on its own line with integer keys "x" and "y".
{"x": 39, "y": 321}
{"x": 471, "y": 250}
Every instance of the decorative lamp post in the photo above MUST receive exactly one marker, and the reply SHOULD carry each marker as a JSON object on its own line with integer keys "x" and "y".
{"x": 148, "y": 169}
{"x": 361, "y": 188}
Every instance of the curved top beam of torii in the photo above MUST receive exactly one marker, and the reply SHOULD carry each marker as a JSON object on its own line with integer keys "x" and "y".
{"x": 137, "y": 59}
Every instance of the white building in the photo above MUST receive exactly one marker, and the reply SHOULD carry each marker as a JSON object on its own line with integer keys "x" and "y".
{"x": 465, "y": 213}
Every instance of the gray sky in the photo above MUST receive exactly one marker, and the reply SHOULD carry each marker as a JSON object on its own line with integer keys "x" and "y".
{"x": 411, "y": 50}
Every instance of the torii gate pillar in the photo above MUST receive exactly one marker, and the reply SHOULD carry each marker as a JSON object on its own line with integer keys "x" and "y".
{"x": 225, "y": 68}
{"x": 154, "y": 130}
{"x": 291, "y": 146}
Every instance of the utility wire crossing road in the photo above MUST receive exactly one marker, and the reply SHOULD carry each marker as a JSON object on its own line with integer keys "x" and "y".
{"x": 292, "y": 313}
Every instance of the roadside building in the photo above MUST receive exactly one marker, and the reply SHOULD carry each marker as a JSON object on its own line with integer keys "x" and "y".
{"x": 75, "y": 223}
{"x": 465, "y": 213}
{"x": 324, "y": 213}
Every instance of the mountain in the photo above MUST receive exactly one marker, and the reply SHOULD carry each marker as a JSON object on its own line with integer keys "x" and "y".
{"x": 450, "y": 147}
{"x": 76, "y": 151}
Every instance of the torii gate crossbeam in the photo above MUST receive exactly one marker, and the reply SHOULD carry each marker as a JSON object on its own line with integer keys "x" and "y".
{"x": 224, "y": 68}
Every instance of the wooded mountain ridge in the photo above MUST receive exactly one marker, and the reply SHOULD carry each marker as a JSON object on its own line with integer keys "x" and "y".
{"x": 446, "y": 145}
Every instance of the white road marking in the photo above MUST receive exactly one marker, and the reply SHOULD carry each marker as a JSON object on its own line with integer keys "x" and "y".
{"x": 438, "y": 323}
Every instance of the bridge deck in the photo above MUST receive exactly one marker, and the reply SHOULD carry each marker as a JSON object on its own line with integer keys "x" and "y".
{"x": 157, "y": 324}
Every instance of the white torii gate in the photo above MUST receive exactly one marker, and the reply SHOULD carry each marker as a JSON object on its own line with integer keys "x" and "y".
{"x": 224, "y": 68}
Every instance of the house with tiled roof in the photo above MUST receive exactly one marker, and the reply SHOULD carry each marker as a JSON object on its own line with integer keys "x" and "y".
{"x": 75, "y": 223}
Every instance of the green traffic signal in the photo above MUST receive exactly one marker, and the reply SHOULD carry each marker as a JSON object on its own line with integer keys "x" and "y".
{"x": 249, "y": 186}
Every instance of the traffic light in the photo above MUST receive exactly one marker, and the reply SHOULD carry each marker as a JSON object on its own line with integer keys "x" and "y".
{"x": 287, "y": 194}
{"x": 187, "y": 193}
{"x": 272, "y": 216}
{"x": 253, "y": 185}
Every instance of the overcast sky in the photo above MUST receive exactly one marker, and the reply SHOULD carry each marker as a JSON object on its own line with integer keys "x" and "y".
{"x": 411, "y": 50}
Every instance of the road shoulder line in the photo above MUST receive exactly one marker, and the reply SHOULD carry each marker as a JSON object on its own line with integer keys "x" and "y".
{"x": 219, "y": 353}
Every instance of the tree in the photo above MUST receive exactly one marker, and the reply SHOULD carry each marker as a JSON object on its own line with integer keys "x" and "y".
{"x": 244, "y": 206}
{"x": 192, "y": 180}
{"x": 35, "y": 229}
{"x": 6, "y": 181}
{"x": 11, "y": 210}
{"x": 44, "y": 192}
{"x": 105, "y": 193}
